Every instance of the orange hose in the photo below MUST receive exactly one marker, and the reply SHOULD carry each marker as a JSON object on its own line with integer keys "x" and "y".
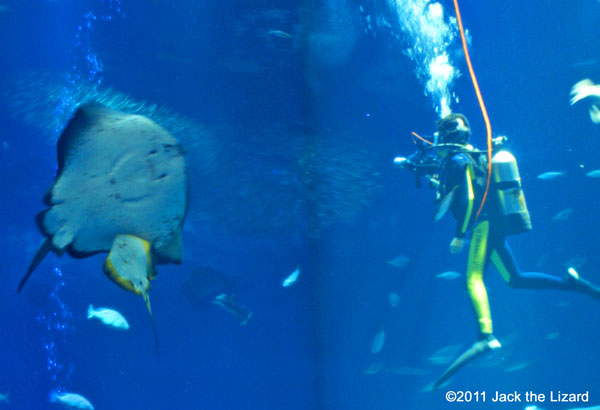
{"x": 488, "y": 126}
{"x": 421, "y": 138}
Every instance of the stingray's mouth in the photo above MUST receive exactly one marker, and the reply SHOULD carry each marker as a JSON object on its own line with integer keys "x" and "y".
{"x": 132, "y": 199}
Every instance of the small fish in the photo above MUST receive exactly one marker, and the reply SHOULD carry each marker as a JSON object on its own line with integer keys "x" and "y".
{"x": 228, "y": 303}
{"x": 399, "y": 262}
{"x": 394, "y": 299}
{"x": 109, "y": 317}
{"x": 378, "y": 342}
{"x": 374, "y": 368}
{"x": 516, "y": 367}
{"x": 585, "y": 63}
{"x": 444, "y": 205}
{"x": 4, "y": 397}
{"x": 563, "y": 215}
{"x": 584, "y": 89}
{"x": 280, "y": 34}
{"x": 594, "y": 174}
{"x": 71, "y": 401}
{"x": 450, "y": 275}
{"x": 552, "y": 336}
{"x": 444, "y": 355}
{"x": 291, "y": 279}
{"x": 546, "y": 176}
{"x": 595, "y": 114}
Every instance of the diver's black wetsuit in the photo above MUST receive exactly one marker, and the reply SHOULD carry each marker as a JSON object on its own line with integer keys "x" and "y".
{"x": 465, "y": 173}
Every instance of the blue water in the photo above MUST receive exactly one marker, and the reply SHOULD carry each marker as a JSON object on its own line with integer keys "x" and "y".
{"x": 290, "y": 116}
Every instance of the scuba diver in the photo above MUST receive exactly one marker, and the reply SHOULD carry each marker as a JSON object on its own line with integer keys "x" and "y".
{"x": 459, "y": 173}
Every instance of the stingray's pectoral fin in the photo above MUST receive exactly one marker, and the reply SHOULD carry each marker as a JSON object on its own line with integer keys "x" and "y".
{"x": 39, "y": 256}
{"x": 147, "y": 300}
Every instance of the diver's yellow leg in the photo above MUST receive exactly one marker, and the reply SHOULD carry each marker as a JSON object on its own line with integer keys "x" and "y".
{"x": 475, "y": 268}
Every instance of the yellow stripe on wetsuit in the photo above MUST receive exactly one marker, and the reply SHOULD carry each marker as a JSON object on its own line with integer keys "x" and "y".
{"x": 475, "y": 268}
{"x": 470, "y": 174}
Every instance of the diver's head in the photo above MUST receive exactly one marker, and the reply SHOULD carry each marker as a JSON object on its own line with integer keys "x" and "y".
{"x": 453, "y": 129}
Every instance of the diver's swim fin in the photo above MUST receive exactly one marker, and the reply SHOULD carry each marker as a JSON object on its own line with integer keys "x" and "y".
{"x": 475, "y": 351}
{"x": 39, "y": 256}
{"x": 582, "y": 285}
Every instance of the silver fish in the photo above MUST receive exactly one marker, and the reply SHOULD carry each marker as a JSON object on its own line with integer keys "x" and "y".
{"x": 551, "y": 175}
{"x": 444, "y": 205}
{"x": 448, "y": 275}
{"x": 280, "y": 34}
{"x": 594, "y": 174}
{"x": 378, "y": 342}
{"x": 375, "y": 368}
{"x": 444, "y": 355}
{"x": 585, "y": 63}
{"x": 109, "y": 317}
{"x": 394, "y": 299}
{"x": 399, "y": 262}
{"x": 517, "y": 366}
{"x": 71, "y": 401}
{"x": 228, "y": 303}
{"x": 595, "y": 114}
{"x": 584, "y": 89}
{"x": 563, "y": 215}
{"x": 291, "y": 279}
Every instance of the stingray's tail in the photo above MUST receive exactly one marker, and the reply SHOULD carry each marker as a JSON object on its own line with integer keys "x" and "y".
{"x": 147, "y": 300}
{"x": 155, "y": 337}
{"x": 39, "y": 256}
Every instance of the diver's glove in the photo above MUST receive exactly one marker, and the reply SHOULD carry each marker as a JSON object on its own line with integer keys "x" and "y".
{"x": 457, "y": 245}
{"x": 479, "y": 348}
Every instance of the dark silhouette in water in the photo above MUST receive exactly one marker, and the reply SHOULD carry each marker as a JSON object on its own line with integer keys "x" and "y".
{"x": 207, "y": 286}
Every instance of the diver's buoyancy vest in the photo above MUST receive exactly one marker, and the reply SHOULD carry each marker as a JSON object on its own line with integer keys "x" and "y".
{"x": 506, "y": 184}
{"x": 507, "y": 206}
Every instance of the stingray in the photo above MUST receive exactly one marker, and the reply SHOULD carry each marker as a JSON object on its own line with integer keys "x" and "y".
{"x": 120, "y": 188}
{"x": 206, "y": 286}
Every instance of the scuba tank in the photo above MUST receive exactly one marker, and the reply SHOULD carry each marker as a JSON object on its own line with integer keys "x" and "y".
{"x": 512, "y": 209}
